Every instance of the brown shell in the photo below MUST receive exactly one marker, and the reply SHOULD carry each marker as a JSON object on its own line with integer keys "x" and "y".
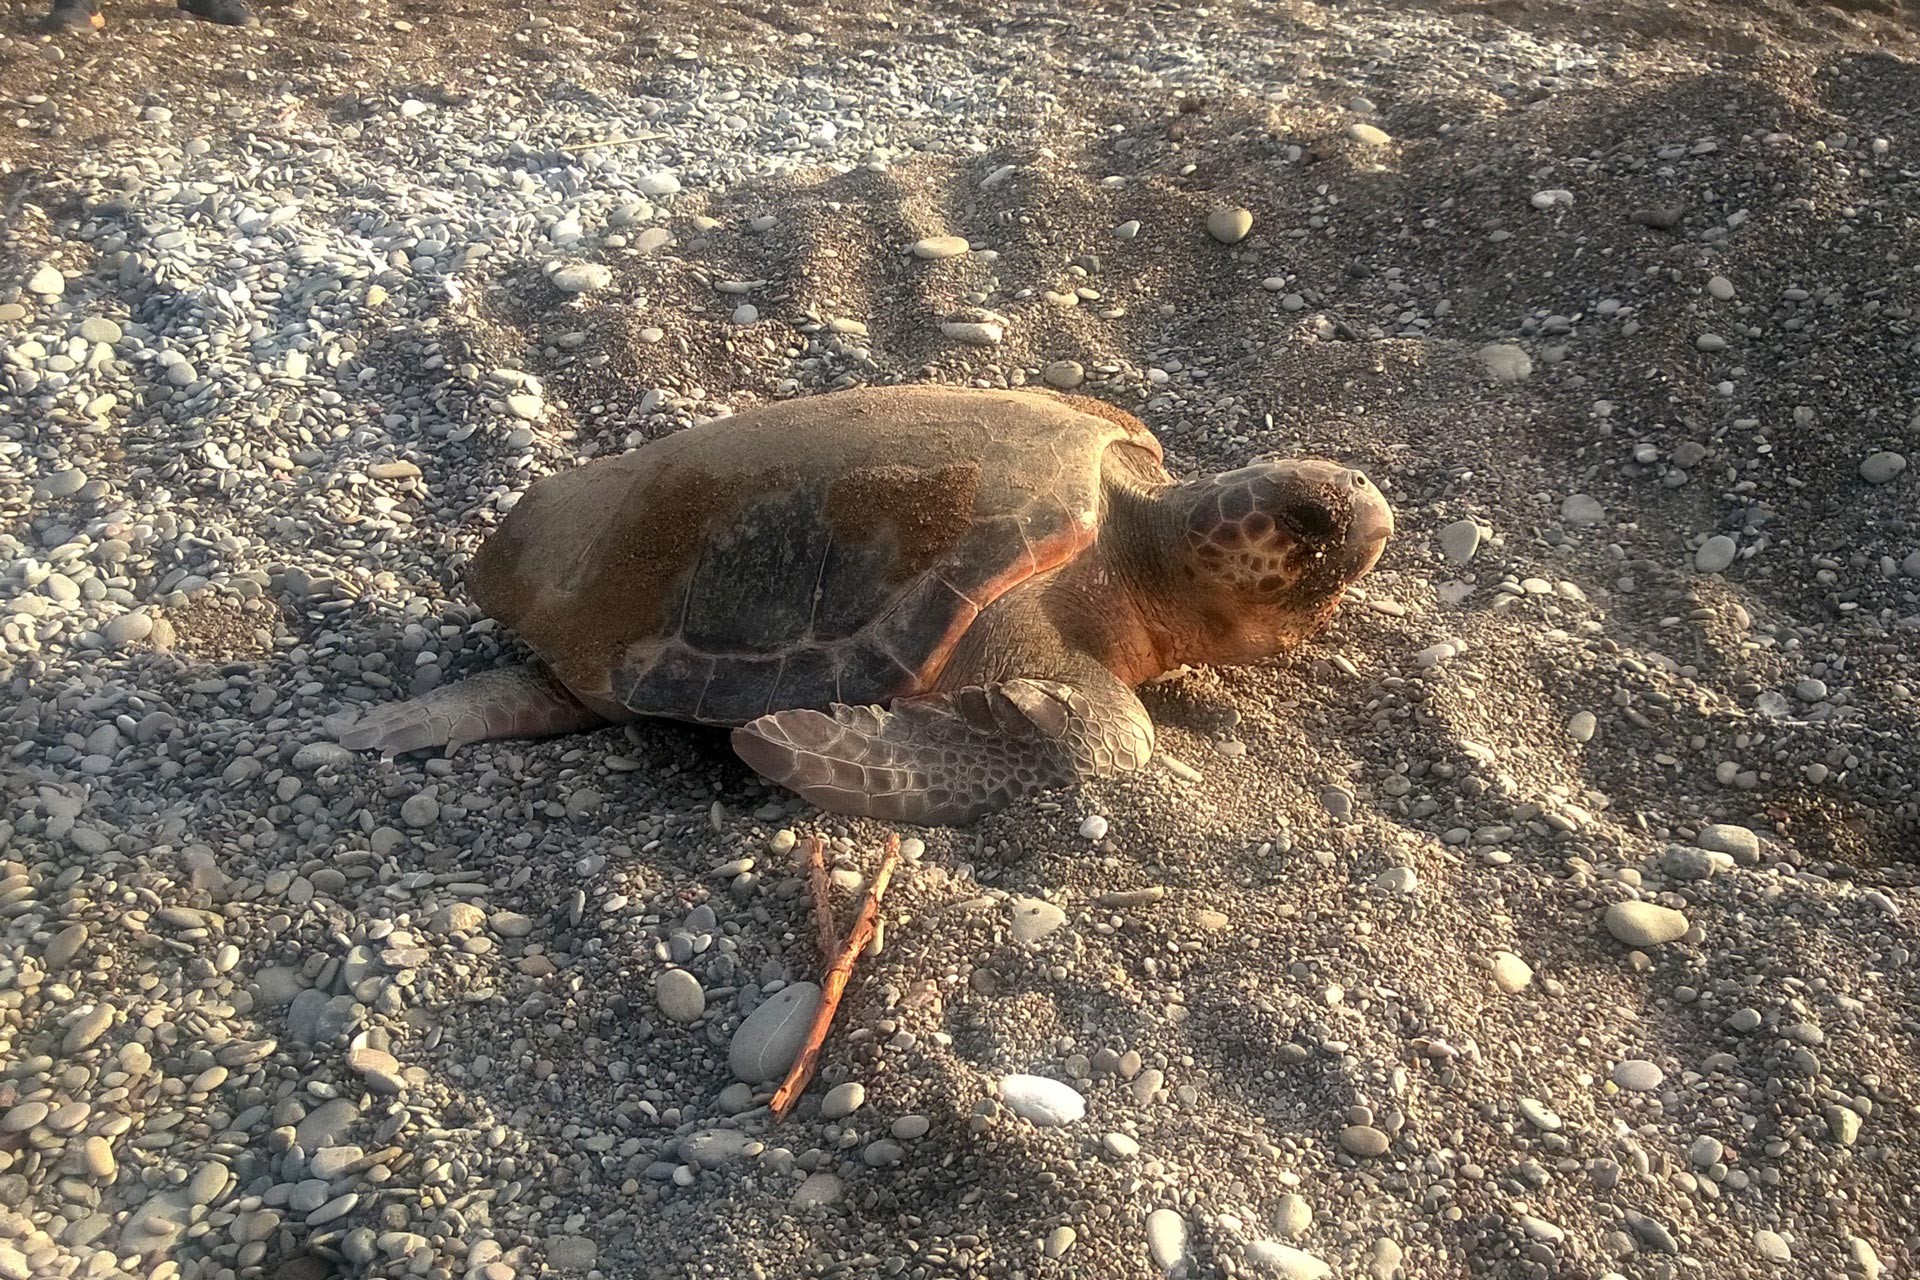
{"x": 826, "y": 549}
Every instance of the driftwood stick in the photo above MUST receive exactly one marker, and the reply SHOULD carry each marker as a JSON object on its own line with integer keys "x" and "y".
{"x": 835, "y": 983}
{"x": 825, "y": 936}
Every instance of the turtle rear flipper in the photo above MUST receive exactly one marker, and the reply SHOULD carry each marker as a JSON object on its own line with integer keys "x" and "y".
{"x": 517, "y": 702}
{"x": 951, "y": 757}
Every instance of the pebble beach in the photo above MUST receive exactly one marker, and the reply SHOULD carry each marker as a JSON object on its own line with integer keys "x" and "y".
{"x": 1550, "y": 916}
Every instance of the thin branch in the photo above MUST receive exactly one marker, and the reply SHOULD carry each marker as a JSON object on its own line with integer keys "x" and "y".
{"x": 835, "y": 984}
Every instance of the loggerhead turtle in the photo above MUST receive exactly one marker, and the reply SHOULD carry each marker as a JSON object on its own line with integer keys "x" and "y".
{"x": 914, "y": 603}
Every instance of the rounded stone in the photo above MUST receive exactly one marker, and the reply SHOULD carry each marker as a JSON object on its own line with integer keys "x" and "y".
{"x": 1883, "y": 467}
{"x": 1167, "y": 1241}
{"x": 769, "y": 1040}
{"x": 1720, "y": 288}
{"x": 1064, "y": 374}
{"x": 843, "y": 1100}
{"x": 420, "y": 810}
{"x": 1716, "y": 554}
{"x": 1368, "y": 135}
{"x": 1645, "y": 924}
{"x": 1363, "y": 1140}
{"x": 1638, "y": 1075}
{"x": 1510, "y": 973}
{"x": 1229, "y": 226}
{"x": 128, "y": 628}
{"x": 1040, "y": 1101}
{"x": 680, "y": 996}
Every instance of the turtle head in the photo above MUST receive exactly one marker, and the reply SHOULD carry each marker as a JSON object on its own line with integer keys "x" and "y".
{"x": 1268, "y": 549}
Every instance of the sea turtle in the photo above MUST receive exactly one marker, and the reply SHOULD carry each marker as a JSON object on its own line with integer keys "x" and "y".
{"x": 913, "y": 603}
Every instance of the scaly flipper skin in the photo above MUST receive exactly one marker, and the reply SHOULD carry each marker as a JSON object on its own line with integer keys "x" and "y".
{"x": 951, "y": 757}
{"x": 516, "y": 702}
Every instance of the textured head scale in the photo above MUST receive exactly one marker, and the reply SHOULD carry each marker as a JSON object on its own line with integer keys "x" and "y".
{"x": 1277, "y": 543}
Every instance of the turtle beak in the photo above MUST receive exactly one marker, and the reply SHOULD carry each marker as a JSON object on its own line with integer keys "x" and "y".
{"x": 1369, "y": 525}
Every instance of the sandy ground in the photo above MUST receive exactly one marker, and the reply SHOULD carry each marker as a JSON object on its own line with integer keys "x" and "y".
{"x": 1480, "y": 758}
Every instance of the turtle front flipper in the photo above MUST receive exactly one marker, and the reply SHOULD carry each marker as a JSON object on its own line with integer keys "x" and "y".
{"x": 950, "y": 758}
{"x": 516, "y": 702}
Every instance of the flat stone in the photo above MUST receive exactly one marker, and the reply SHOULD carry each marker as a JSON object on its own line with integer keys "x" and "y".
{"x": 581, "y": 277}
{"x": 1041, "y": 1101}
{"x": 680, "y": 996}
{"x": 910, "y": 1128}
{"x": 1539, "y": 1115}
{"x": 572, "y": 1253}
{"x": 1460, "y": 540}
{"x": 769, "y": 1040}
{"x": 1645, "y": 924}
{"x": 1771, "y": 1246}
{"x": 1294, "y": 1215}
{"x": 47, "y": 282}
{"x": 525, "y": 406}
{"x": 1683, "y": 863}
{"x": 1505, "y": 362}
{"x": 1034, "y": 919}
{"x": 1844, "y": 1124}
{"x": 933, "y": 248}
{"x": 1738, "y": 843}
{"x": 1582, "y": 510}
{"x": 819, "y": 1190}
{"x": 326, "y": 1124}
{"x": 1229, "y": 226}
{"x": 975, "y": 333}
{"x": 1270, "y": 1257}
{"x": 66, "y": 482}
{"x": 711, "y": 1148}
{"x": 330, "y": 1162}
